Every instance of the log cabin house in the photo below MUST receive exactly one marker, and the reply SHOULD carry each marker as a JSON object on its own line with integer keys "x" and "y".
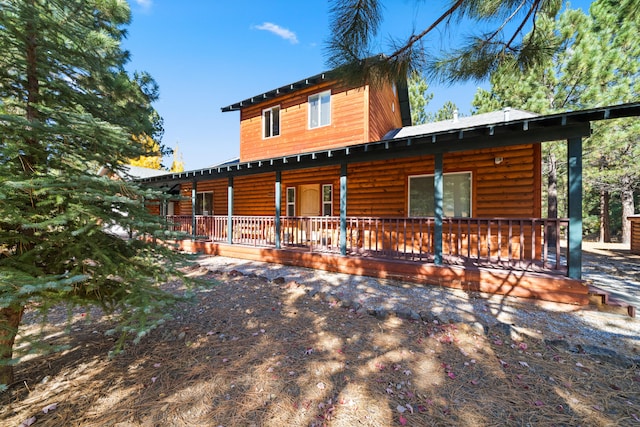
{"x": 334, "y": 177}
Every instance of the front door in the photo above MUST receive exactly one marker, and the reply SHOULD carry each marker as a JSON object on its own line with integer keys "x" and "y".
{"x": 309, "y": 206}
{"x": 310, "y": 200}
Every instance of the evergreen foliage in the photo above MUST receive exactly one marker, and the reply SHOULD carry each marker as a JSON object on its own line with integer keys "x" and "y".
{"x": 353, "y": 44}
{"x": 68, "y": 108}
{"x": 419, "y": 98}
{"x": 596, "y": 62}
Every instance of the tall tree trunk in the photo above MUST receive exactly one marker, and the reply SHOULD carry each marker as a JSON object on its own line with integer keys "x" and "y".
{"x": 627, "y": 209}
{"x": 552, "y": 197}
{"x": 605, "y": 229}
{"x": 10, "y": 318}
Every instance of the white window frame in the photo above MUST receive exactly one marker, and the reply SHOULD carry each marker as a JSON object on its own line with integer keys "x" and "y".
{"x": 319, "y": 97}
{"x": 271, "y": 128}
{"x": 327, "y": 203}
{"x": 444, "y": 196}
{"x": 167, "y": 208}
{"x": 290, "y": 202}
{"x": 201, "y": 195}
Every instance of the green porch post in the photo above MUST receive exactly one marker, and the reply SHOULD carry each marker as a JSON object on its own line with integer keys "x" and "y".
{"x": 574, "y": 243}
{"x": 343, "y": 209}
{"x": 278, "y": 207}
{"x": 438, "y": 208}
{"x": 194, "y": 192}
{"x": 230, "y": 210}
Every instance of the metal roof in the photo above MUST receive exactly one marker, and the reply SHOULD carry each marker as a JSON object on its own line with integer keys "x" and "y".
{"x": 446, "y": 136}
{"x": 494, "y": 117}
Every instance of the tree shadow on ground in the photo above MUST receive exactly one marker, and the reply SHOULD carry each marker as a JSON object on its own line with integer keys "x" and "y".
{"x": 257, "y": 352}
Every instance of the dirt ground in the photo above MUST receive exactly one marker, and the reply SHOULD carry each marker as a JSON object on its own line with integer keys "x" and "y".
{"x": 256, "y": 352}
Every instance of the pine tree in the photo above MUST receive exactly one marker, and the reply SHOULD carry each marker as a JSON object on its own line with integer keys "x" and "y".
{"x": 596, "y": 62}
{"x": 419, "y": 98}
{"x": 355, "y": 25}
{"x": 446, "y": 112}
{"x": 67, "y": 108}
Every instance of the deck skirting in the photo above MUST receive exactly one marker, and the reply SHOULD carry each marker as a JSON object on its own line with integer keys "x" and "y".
{"x": 541, "y": 286}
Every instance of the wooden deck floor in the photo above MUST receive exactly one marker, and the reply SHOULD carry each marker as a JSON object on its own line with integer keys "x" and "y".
{"x": 525, "y": 284}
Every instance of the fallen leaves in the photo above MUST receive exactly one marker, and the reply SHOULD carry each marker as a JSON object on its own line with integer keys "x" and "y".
{"x": 28, "y": 422}
{"x": 50, "y": 407}
{"x": 32, "y": 420}
{"x": 409, "y": 374}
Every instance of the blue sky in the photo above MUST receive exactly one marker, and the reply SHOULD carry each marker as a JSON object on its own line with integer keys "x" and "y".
{"x": 207, "y": 54}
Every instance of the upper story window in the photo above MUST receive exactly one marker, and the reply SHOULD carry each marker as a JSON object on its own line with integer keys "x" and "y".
{"x": 320, "y": 109}
{"x": 271, "y": 122}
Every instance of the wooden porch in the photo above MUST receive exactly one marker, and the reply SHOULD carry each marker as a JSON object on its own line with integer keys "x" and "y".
{"x": 510, "y": 256}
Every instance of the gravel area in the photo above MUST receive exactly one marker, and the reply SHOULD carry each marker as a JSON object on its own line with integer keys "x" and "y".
{"x": 584, "y": 329}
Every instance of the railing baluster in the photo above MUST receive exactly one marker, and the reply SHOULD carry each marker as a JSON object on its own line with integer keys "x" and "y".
{"x": 489, "y": 240}
{"x": 499, "y": 241}
{"x": 469, "y": 238}
{"x": 420, "y": 224}
{"x": 395, "y": 237}
{"x": 558, "y": 244}
{"x": 479, "y": 240}
{"x": 521, "y": 242}
{"x": 534, "y": 233}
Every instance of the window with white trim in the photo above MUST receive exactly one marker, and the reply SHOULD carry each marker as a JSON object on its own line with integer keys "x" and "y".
{"x": 204, "y": 203}
{"x": 327, "y": 200}
{"x": 456, "y": 198}
{"x": 291, "y": 201}
{"x": 271, "y": 122}
{"x": 320, "y": 109}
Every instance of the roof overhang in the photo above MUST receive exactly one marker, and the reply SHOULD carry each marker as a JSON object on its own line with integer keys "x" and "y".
{"x": 280, "y": 91}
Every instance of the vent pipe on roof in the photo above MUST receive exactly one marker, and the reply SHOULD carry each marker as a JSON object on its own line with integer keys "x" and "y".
{"x": 506, "y": 111}
{"x": 455, "y": 116}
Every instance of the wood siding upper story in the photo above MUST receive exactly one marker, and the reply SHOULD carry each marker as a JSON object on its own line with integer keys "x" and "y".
{"x": 358, "y": 115}
{"x": 511, "y": 188}
{"x": 384, "y": 111}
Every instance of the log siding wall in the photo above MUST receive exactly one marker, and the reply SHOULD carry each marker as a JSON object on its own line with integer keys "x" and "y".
{"x": 380, "y": 189}
{"x": 219, "y": 188}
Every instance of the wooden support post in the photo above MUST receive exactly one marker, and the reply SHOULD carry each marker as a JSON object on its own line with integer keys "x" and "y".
{"x": 230, "y": 210}
{"x": 438, "y": 189}
{"x": 343, "y": 209}
{"x": 194, "y": 194}
{"x": 574, "y": 239}
{"x": 278, "y": 202}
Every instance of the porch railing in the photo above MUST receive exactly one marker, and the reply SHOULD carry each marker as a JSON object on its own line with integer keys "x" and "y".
{"x": 514, "y": 243}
